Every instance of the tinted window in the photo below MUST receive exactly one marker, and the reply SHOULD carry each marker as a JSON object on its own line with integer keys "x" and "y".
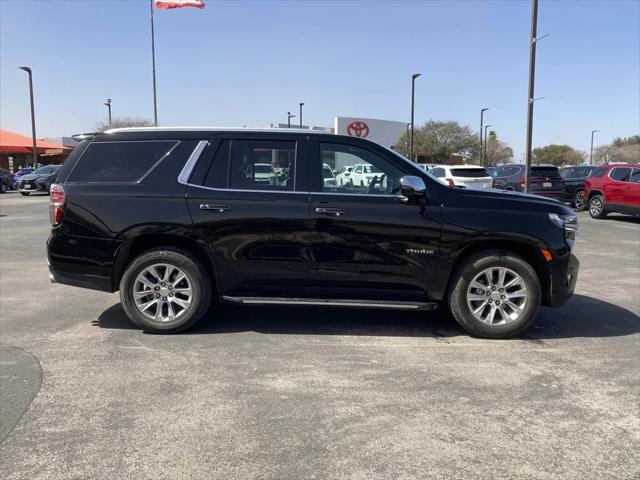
{"x": 469, "y": 172}
{"x": 437, "y": 172}
{"x": 217, "y": 175}
{"x": 509, "y": 171}
{"x": 119, "y": 161}
{"x": 44, "y": 170}
{"x": 262, "y": 165}
{"x": 620, "y": 174}
{"x": 544, "y": 172}
{"x": 567, "y": 172}
{"x": 373, "y": 175}
{"x": 635, "y": 175}
{"x": 598, "y": 172}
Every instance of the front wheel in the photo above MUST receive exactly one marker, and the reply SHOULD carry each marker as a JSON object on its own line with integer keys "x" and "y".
{"x": 3, "y": 188}
{"x": 495, "y": 294}
{"x": 165, "y": 290}
{"x": 596, "y": 207}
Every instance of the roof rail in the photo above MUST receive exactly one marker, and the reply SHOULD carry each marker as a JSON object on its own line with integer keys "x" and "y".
{"x": 79, "y": 137}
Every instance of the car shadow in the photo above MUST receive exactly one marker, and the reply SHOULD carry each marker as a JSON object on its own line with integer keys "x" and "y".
{"x": 581, "y": 316}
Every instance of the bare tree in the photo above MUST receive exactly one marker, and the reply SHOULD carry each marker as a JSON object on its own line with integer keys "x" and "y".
{"x": 497, "y": 151}
{"x": 123, "y": 122}
{"x": 620, "y": 150}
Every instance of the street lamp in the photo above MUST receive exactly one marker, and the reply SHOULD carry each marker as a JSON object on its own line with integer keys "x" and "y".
{"x": 289, "y": 117}
{"x": 300, "y": 117}
{"x": 413, "y": 101}
{"x": 108, "y": 105}
{"x": 481, "y": 122}
{"x": 407, "y": 142}
{"x": 33, "y": 116}
{"x": 591, "y": 154}
{"x": 485, "y": 144}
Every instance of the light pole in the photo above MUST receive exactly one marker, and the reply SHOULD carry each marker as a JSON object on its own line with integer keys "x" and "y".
{"x": 289, "y": 117}
{"x": 33, "y": 116}
{"x": 108, "y": 105}
{"x": 591, "y": 154}
{"x": 300, "y": 117}
{"x": 530, "y": 97}
{"x": 481, "y": 122}
{"x": 413, "y": 101}
{"x": 407, "y": 145}
{"x": 485, "y": 145}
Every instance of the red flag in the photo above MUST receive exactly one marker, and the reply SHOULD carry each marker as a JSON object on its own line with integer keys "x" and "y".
{"x": 167, "y": 4}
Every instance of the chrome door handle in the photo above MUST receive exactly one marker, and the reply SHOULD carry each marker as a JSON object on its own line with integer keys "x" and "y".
{"x": 214, "y": 208}
{"x": 336, "y": 212}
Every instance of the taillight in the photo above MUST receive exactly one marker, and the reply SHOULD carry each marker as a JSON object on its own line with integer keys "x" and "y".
{"x": 450, "y": 180}
{"x": 521, "y": 180}
{"x": 56, "y": 203}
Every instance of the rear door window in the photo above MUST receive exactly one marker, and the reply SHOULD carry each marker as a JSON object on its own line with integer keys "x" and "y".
{"x": 469, "y": 172}
{"x": 263, "y": 165}
{"x": 120, "y": 161}
{"x": 621, "y": 174}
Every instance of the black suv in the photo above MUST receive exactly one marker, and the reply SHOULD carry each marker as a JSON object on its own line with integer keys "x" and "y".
{"x": 176, "y": 218}
{"x": 545, "y": 179}
{"x": 574, "y": 178}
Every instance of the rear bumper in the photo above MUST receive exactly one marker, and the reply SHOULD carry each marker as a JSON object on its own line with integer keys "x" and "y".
{"x": 93, "y": 282}
{"x": 563, "y": 281}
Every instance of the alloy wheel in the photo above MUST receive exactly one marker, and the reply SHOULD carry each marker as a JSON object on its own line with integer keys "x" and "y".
{"x": 595, "y": 206}
{"x": 497, "y": 296}
{"x": 162, "y": 292}
{"x": 579, "y": 200}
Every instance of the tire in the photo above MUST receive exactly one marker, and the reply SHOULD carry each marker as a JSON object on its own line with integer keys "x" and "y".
{"x": 25, "y": 193}
{"x": 362, "y": 183}
{"x": 508, "y": 321}
{"x": 3, "y": 188}
{"x": 596, "y": 207}
{"x": 197, "y": 279}
{"x": 578, "y": 200}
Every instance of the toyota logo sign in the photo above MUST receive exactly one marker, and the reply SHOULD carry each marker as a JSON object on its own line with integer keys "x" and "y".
{"x": 358, "y": 129}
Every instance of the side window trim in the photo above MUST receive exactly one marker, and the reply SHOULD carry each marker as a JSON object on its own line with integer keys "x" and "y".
{"x": 187, "y": 170}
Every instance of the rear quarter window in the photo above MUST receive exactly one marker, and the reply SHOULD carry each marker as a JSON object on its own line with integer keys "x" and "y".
{"x": 120, "y": 161}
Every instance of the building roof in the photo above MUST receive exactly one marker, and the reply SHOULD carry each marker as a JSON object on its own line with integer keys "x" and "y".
{"x": 11, "y": 142}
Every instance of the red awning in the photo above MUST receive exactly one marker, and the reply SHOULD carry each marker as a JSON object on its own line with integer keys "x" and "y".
{"x": 11, "y": 142}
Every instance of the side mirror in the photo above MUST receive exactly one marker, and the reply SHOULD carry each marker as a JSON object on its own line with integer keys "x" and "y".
{"x": 412, "y": 189}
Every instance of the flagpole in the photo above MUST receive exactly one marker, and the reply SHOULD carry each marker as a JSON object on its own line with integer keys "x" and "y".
{"x": 153, "y": 61}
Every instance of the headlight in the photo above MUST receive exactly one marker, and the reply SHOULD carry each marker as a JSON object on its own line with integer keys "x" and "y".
{"x": 569, "y": 223}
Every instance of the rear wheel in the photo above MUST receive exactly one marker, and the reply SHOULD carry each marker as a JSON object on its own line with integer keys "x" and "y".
{"x": 578, "y": 200}
{"x": 165, "y": 290}
{"x": 3, "y": 188}
{"x": 596, "y": 207}
{"x": 495, "y": 294}
{"x": 25, "y": 193}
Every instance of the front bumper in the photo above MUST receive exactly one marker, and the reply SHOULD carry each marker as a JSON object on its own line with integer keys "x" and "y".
{"x": 563, "y": 281}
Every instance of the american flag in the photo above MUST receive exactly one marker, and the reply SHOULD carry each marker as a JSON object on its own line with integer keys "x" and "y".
{"x": 167, "y": 4}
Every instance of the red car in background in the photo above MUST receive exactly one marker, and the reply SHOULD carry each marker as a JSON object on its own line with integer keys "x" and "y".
{"x": 613, "y": 188}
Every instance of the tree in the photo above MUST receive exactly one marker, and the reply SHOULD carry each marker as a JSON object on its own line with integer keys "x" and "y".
{"x": 497, "y": 150}
{"x": 557, "y": 155}
{"x": 622, "y": 149}
{"x": 123, "y": 122}
{"x": 439, "y": 140}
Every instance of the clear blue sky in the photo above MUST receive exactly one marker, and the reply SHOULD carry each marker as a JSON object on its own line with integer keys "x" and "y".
{"x": 239, "y": 62}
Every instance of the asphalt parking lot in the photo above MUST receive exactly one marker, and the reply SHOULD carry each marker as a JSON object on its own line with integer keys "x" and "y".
{"x": 291, "y": 393}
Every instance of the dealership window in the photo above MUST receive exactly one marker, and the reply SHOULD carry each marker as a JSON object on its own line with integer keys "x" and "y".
{"x": 262, "y": 165}
{"x": 371, "y": 174}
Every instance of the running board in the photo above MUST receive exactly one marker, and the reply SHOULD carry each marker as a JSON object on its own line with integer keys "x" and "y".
{"x": 332, "y": 302}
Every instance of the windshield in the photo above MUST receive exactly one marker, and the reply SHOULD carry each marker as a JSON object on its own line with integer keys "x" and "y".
{"x": 371, "y": 169}
{"x": 262, "y": 168}
{"x": 44, "y": 170}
